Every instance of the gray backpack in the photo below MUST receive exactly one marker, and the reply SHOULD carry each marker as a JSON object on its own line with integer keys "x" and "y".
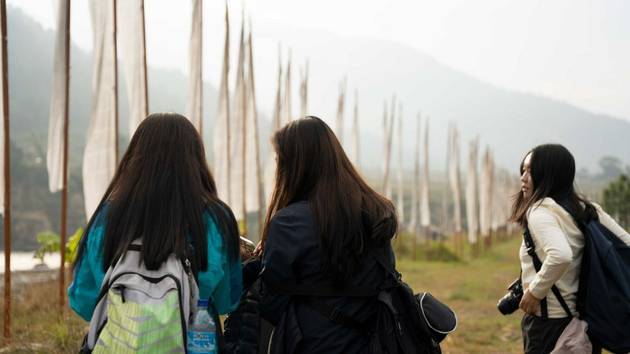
{"x": 141, "y": 310}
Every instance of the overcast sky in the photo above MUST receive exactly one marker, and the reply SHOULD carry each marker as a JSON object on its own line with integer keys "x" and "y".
{"x": 577, "y": 51}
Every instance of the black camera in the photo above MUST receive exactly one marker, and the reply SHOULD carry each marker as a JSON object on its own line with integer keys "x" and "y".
{"x": 510, "y": 302}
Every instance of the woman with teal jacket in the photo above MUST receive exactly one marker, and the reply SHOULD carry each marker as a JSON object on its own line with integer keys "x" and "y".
{"x": 163, "y": 194}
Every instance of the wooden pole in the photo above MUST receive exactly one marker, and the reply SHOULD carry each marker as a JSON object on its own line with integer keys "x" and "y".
{"x": 64, "y": 189}
{"x": 7, "y": 175}
{"x": 144, "y": 61}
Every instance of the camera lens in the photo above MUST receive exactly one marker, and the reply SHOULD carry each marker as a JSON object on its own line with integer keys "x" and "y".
{"x": 509, "y": 303}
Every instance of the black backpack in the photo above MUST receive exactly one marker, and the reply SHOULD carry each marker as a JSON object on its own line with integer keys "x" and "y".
{"x": 408, "y": 323}
{"x": 404, "y": 323}
{"x": 603, "y": 299}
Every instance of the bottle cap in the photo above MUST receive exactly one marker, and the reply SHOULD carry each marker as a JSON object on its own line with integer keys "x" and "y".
{"x": 202, "y": 303}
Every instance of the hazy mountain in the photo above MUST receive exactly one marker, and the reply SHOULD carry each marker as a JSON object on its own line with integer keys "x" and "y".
{"x": 510, "y": 122}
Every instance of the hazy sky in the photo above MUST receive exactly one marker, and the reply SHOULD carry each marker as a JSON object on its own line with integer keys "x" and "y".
{"x": 573, "y": 50}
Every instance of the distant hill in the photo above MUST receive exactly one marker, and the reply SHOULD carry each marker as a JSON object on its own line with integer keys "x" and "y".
{"x": 510, "y": 122}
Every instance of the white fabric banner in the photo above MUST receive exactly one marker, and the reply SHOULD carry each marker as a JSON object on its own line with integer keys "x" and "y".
{"x": 400, "y": 200}
{"x": 270, "y": 168}
{"x": 483, "y": 183}
{"x": 454, "y": 178}
{"x": 340, "y": 110}
{"x": 472, "y": 215}
{"x": 485, "y": 194}
{"x": 131, "y": 32}
{"x": 356, "y": 134}
{"x": 415, "y": 188}
{"x": 221, "y": 147}
{"x": 195, "y": 79}
{"x": 238, "y": 132}
{"x": 304, "y": 92}
{"x": 425, "y": 210}
{"x": 99, "y": 159}
{"x": 2, "y": 133}
{"x": 287, "y": 116}
{"x": 254, "y": 186}
{"x": 500, "y": 195}
{"x": 388, "y": 127}
{"x": 58, "y": 100}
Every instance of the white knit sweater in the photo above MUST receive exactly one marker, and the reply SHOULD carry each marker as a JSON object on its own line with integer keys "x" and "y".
{"x": 559, "y": 245}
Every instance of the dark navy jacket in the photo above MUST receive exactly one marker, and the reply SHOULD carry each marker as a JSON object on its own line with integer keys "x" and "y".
{"x": 292, "y": 255}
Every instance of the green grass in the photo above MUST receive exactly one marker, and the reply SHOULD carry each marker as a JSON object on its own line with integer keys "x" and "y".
{"x": 37, "y": 324}
{"x": 470, "y": 287}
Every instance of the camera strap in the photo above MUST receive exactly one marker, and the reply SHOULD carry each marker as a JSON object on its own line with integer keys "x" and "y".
{"x": 531, "y": 251}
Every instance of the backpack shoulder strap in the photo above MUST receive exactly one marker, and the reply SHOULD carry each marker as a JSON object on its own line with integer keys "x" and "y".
{"x": 531, "y": 251}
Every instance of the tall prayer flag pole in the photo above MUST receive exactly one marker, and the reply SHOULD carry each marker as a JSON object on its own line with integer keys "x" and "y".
{"x": 6, "y": 185}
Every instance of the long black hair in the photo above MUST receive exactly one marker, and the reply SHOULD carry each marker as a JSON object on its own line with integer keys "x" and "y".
{"x": 552, "y": 170}
{"x": 159, "y": 194}
{"x": 311, "y": 165}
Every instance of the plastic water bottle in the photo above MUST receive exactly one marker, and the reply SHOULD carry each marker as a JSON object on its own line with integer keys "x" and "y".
{"x": 202, "y": 332}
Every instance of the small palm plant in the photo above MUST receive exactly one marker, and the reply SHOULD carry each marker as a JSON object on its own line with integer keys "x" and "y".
{"x": 49, "y": 243}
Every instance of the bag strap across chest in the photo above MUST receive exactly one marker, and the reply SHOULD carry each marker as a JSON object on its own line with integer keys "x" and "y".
{"x": 531, "y": 251}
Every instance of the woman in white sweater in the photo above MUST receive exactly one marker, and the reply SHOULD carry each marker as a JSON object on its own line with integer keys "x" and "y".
{"x": 547, "y": 177}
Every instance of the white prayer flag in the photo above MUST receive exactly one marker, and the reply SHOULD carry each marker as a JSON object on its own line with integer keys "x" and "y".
{"x": 131, "y": 31}
{"x": 58, "y": 101}
{"x": 4, "y": 85}
{"x": 255, "y": 196}
{"x": 472, "y": 214}
{"x": 340, "y": 108}
{"x": 99, "y": 159}
{"x": 425, "y": 210}
{"x": 287, "y": 116}
{"x": 304, "y": 92}
{"x": 195, "y": 80}
{"x": 415, "y": 189}
{"x": 238, "y": 144}
{"x": 221, "y": 143}
{"x": 356, "y": 133}
{"x": 270, "y": 168}
{"x": 400, "y": 200}
{"x": 485, "y": 194}
{"x": 388, "y": 128}
{"x": 454, "y": 178}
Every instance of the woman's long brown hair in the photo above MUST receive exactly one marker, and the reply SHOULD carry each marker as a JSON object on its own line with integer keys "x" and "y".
{"x": 312, "y": 166}
{"x": 160, "y": 192}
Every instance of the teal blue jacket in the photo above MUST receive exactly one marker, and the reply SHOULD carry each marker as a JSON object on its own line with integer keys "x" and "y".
{"x": 221, "y": 281}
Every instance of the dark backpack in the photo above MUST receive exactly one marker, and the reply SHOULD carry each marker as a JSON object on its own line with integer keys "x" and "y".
{"x": 407, "y": 323}
{"x": 403, "y": 323}
{"x": 603, "y": 299}
{"x": 246, "y": 332}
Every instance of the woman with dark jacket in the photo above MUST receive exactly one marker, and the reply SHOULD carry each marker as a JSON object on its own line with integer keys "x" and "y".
{"x": 322, "y": 227}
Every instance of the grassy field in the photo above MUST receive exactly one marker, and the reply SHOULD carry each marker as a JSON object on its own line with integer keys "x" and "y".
{"x": 470, "y": 287}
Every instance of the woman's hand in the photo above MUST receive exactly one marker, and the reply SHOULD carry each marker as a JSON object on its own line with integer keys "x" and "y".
{"x": 529, "y": 303}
